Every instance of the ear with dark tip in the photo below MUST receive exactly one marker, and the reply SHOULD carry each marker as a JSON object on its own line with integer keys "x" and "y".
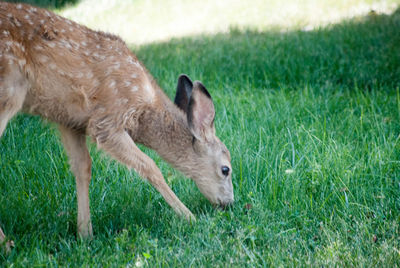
{"x": 183, "y": 92}
{"x": 201, "y": 113}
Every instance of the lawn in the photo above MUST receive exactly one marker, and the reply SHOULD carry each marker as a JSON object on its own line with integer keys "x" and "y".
{"x": 309, "y": 108}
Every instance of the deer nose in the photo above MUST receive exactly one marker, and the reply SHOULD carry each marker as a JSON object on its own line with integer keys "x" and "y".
{"x": 226, "y": 203}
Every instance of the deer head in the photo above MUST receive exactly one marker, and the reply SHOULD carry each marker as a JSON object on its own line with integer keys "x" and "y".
{"x": 210, "y": 166}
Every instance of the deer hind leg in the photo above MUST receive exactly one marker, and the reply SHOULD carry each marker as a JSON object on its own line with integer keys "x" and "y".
{"x": 81, "y": 165}
{"x": 120, "y": 146}
{"x": 13, "y": 89}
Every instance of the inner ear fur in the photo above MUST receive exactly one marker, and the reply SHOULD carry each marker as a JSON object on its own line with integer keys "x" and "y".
{"x": 201, "y": 113}
{"x": 183, "y": 92}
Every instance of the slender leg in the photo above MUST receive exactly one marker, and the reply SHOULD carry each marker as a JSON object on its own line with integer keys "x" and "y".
{"x": 121, "y": 147}
{"x": 13, "y": 89}
{"x": 2, "y": 236}
{"x": 4, "y": 117}
{"x": 81, "y": 165}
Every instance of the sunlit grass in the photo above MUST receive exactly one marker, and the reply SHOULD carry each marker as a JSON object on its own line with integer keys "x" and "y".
{"x": 143, "y": 21}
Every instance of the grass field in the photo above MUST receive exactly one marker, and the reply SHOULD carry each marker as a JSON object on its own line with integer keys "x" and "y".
{"x": 311, "y": 116}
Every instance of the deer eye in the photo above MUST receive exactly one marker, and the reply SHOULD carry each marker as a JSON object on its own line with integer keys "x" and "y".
{"x": 225, "y": 170}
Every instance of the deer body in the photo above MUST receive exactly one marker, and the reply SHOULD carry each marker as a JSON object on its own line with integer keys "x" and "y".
{"x": 90, "y": 83}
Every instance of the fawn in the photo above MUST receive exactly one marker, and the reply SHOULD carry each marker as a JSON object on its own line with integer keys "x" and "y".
{"x": 90, "y": 83}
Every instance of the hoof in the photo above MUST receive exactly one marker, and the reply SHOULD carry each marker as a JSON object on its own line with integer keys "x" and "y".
{"x": 7, "y": 246}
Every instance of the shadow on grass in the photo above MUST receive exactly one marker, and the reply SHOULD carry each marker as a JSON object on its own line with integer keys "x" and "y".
{"x": 51, "y": 4}
{"x": 362, "y": 52}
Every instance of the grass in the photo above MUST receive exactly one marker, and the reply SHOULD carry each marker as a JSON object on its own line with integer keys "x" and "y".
{"x": 312, "y": 120}
{"x": 47, "y": 3}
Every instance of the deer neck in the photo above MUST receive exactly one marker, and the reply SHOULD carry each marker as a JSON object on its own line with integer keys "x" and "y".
{"x": 164, "y": 128}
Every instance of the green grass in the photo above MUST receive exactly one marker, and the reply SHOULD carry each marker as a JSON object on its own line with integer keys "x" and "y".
{"x": 312, "y": 120}
{"x": 47, "y": 3}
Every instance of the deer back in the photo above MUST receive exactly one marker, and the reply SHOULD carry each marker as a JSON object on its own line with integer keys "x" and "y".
{"x": 73, "y": 73}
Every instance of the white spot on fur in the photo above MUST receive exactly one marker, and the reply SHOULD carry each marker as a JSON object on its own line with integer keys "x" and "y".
{"x": 17, "y": 23}
{"x": 6, "y": 33}
{"x": 43, "y": 58}
{"x": 122, "y": 101}
{"x": 134, "y": 75}
{"x": 130, "y": 60}
{"x": 137, "y": 64}
{"x": 63, "y": 30}
{"x": 52, "y": 45}
{"x": 74, "y": 44}
{"x": 127, "y": 83}
{"x": 148, "y": 89}
{"x": 150, "y": 92}
{"x": 89, "y": 75}
{"x": 95, "y": 83}
{"x": 111, "y": 84}
{"x": 115, "y": 66}
{"x": 22, "y": 63}
{"x": 52, "y": 66}
{"x": 19, "y": 6}
{"x": 65, "y": 44}
{"x": 41, "y": 21}
{"x": 27, "y": 17}
{"x": 134, "y": 88}
{"x": 109, "y": 70}
{"x": 83, "y": 43}
{"x": 98, "y": 46}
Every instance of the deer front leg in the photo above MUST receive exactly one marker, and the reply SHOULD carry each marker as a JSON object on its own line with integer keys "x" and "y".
{"x": 120, "y": 146}
{"x": 81, "y": 165}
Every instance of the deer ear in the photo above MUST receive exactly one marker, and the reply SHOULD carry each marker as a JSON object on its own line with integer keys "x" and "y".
{"x": 183, "y": 92}
{"x": 201, "y": 113}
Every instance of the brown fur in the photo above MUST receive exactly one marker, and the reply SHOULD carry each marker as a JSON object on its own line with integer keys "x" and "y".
{"x": 90, "y": 83}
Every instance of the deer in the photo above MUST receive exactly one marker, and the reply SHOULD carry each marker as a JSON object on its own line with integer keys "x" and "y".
{"x": 90, "y": 84}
